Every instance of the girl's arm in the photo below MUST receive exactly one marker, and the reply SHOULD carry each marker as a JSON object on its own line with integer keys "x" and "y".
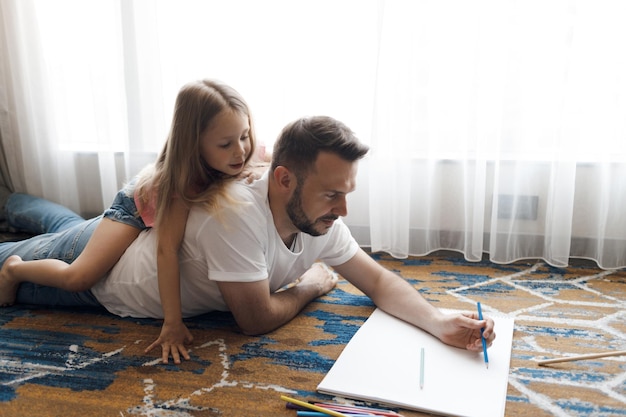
{"x": 174, "y": 333}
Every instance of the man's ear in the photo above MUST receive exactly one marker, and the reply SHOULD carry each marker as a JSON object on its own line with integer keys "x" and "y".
{"x": 284, "y": 178}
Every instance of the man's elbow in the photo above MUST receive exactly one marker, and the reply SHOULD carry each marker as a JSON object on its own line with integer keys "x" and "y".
{"x": 254, "y": 327}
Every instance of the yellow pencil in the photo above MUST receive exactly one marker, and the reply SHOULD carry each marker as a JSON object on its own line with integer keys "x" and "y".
{"x": 312, "y": 407}
{"x": 582, "y": 357}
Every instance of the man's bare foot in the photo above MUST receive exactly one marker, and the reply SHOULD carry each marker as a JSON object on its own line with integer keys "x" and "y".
{"x": 8, "y": 286}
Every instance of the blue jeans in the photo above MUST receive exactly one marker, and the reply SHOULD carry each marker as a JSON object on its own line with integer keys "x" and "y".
{"x": 61, "y": 234}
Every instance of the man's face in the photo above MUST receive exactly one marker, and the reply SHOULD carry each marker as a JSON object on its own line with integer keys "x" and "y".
{"x": 321, "y": 198}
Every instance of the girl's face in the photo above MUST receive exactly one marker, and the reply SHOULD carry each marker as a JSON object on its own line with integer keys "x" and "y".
{"x": 225, "y": 143}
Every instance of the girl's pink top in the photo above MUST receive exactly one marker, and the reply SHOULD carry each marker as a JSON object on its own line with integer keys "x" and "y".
{"x": 147, "y": 212}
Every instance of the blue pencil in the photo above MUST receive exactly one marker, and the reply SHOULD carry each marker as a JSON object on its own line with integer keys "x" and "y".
{"x": 480, "y": 317}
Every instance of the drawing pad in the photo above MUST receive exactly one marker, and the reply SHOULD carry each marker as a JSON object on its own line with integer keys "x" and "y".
{"x": 381, "y": 363}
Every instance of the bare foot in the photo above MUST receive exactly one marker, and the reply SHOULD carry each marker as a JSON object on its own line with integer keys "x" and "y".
{"x": 8, "y": 286}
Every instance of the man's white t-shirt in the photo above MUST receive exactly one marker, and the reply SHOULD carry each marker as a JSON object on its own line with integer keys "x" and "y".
{"x": 238, "y": 244}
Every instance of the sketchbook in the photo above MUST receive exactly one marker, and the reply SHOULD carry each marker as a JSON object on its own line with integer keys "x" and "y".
{"x": 381, "y": 363}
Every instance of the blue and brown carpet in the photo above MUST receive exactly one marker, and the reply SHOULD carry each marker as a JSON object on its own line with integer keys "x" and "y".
{"x": 90, "y": 363}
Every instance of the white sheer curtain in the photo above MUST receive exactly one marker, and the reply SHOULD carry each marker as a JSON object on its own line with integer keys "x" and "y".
{"x": 501, "y": 127}
{"x": 88, "y": 86}
{"x": 495, "y": 126}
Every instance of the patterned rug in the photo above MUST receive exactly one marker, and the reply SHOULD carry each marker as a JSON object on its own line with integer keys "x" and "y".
{"x": 89, "y": 363}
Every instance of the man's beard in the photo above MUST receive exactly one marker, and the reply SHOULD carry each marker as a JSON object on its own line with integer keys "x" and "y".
{"x": 299, "y": 219}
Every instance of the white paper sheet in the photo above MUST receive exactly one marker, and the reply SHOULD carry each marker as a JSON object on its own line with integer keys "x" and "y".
{"x": 381, "y": 363}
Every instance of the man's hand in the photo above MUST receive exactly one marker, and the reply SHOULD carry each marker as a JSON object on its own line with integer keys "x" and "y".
{"x": 319, "y": 276}
{"x": 463, "y": 331}
{"x": 257, "y": 310}
{"x": 172, "y": 339}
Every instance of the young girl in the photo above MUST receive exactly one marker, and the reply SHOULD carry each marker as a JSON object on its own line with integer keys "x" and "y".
{"x": 210, "y": 142}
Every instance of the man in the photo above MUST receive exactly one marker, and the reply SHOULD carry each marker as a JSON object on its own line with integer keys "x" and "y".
{"x": 265, "y": 236}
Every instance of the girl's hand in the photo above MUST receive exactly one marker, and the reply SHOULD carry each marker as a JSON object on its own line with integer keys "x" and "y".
{"x": 254, "y": 171}
{"x": 173, "y": 338}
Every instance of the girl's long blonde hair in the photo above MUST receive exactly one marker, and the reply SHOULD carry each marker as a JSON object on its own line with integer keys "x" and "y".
{"x": 180, "y": 171}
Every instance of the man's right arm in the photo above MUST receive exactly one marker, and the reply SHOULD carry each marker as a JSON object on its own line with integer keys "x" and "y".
{"x": 396, "y": 296}
{"x": 257, "y": 311}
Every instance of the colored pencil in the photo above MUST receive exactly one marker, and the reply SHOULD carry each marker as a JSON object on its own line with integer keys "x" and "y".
{"x": 482, "y": 338}
{"x": 301, "y": 413}
{"x": 582, "y": 357}
{"x": 422, "y": 369}
{"x": 359, "y": 409}
{"x": 312, "y": 407}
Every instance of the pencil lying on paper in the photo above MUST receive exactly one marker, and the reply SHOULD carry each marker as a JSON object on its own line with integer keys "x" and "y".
{"x": 422, "y": 369}
{"x": 582, "y": 357}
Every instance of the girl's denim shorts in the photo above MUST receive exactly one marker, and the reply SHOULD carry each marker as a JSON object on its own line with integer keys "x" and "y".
{"x": 124, "y": 210}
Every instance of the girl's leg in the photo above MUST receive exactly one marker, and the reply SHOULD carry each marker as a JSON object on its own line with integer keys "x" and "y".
{"x": 105, "y": 247}
{"x": 65, "y": 245}
{"x": 73, "y": 259}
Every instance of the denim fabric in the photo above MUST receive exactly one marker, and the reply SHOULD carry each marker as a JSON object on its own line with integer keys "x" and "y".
{"x": 65, "y": 236}
{"x": 124, "y": 210}
{"x": 35, "y": 215}
{"x": 30, "y": 293}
